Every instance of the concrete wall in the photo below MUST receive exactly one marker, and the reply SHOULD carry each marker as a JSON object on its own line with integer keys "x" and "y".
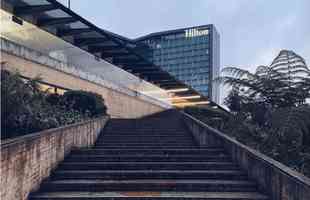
{"x": 27, "y": 160}
{"x": 121, "y": 103}
{"x": 273, "y": 178}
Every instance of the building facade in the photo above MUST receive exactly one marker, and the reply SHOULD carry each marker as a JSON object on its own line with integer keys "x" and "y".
{"x": 192, "y": 55}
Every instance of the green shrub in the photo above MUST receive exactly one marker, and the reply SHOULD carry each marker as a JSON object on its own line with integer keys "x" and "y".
{"x": 283, "y": 133}
{"x": 86, "y": 102}
{"x": 54, "y": 99}
{"x": 26, "y": 109}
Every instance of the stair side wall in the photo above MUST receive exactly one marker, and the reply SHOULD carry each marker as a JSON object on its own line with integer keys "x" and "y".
{"x": 27, "y": 160}
{"x": 275, "y": 179}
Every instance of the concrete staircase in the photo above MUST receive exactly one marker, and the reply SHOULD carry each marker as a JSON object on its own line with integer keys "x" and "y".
{"x": 150, "y": 158}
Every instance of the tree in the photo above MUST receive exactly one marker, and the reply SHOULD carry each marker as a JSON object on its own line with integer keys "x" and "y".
{"x": 285, "y": 83}
{"x": 270, "y": 109}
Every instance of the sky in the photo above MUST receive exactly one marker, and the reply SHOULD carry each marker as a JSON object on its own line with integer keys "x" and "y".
{"x": 252, "y": 31}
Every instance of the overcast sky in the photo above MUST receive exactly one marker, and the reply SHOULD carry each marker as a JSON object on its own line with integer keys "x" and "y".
{"x": 252, "y": 31}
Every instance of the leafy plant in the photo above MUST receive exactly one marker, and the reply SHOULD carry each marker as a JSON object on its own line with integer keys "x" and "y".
{"x": 86, "y": 102}
{"x": 270, "y": 110}
{"x": 25, "y": 108}
{"x": 284, "y": 83}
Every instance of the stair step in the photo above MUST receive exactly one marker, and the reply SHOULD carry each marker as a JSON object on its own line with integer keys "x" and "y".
{"x": 144, "y": 128}
{"x": 135, "y": 151}
{"x": 146, "y": 132}
{"x": 141, "y": 130}
{"x": 146, "y": 142}
{"x": 154, "y": 124}
{"x": 139, "y": 158}
{"x": 146, "y": 136}
{"x": 144, "y": 139}
{"x": 66, "y": 165}
{"x": 149, "y": 174}
{"x": 147, "y": 195}
{"x": 144, "y": 147}
{"x": 149, "y": 185}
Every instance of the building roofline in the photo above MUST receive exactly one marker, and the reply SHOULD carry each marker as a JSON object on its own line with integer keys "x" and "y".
{"x": 172, "y": 31}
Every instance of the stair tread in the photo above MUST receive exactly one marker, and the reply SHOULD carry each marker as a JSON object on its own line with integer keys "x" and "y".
{"x": 154, "y": 171}
{"x": 145, "y": 140}
{"x": 145, "y": 137}
{"x": 150, "y": 145}
{"x": 146, "y": 144}
{"x": 162, "y": 150}
{"x": 209, "y": 195}
{"x": 153, "y": 181}
{"x": 138, "y": 144}
{"x": 150, "y": 156}
{"x": 133, "y": 149}
{"x": 150, "y": 162}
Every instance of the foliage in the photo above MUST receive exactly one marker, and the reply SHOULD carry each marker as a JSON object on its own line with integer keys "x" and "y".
{"x": 25, "y": 108}
{"x": 286, "y": 82}
{"x": 289, "y": 130}
{"x": 269, "y": 109}
{"x": 234, "y": 101}
{"x": 285, "y": 136}
{"x": 86, "y": 101}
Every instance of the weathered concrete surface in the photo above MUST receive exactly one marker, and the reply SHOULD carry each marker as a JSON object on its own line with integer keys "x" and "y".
{"x": 122, "y": 101}
{"x": 279, "y": 181}
{"x": 120, "y": 105}
{"x": 164, "y": 195}
{"x": 27, "y": 160}
{"x": 154, "y": 157}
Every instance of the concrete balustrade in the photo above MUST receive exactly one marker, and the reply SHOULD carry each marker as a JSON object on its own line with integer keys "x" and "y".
{"x": 27, "y": 160}
{"x": 280, "y": 182}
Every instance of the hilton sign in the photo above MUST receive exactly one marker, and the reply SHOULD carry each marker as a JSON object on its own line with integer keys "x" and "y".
{"x": 195, "y": 32}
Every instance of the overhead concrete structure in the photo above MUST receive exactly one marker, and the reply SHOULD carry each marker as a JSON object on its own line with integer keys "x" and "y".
{"x": 32, "y": 51}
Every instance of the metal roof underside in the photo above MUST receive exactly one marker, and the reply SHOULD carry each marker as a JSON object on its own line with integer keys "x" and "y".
{"x": 57, "y": 19}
